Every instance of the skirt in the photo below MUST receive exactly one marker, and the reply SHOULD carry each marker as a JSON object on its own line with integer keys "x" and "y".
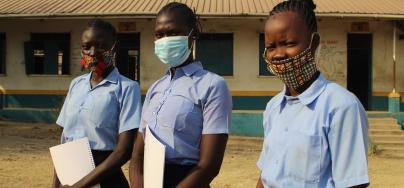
{"x": 114, "y": 179}
{"x": 174, "y": 174}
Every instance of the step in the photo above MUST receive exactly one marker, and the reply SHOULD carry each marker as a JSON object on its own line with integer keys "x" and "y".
{"x": 382, "y": 121}
{"x": 385, "y": 132}
{"x": 379, "y": 114}
{"x": 392, "y": 151}
{"x": 381, "y": 138}
{"x": 396, "y": 144}
{"x": 385, "y": 127}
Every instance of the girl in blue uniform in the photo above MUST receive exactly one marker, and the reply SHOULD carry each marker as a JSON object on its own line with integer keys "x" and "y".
{"x": 102, "y": 105}
{"x": 315, "y": 130}
{"x": 188, "y": 109}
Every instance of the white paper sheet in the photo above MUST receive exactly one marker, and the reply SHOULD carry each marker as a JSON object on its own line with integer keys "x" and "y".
{"x": 72, "y": 161}
{"x": 153, "y": 165}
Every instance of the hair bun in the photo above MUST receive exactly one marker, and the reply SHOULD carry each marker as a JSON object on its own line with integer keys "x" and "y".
{"x": 309, "y": 3}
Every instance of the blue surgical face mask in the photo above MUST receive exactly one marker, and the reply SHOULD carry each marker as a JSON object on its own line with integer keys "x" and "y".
{"x": 172, "y": 51}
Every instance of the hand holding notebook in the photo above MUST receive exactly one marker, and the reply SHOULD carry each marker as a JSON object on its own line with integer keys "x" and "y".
{"x": 73, "y": 161}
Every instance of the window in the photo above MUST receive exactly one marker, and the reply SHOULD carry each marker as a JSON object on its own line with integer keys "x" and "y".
{"x": 47, "y": 53}
{"x": 2, "y": 53}
{"x": 262, "y": 64}
{"x": 215, "y": 51}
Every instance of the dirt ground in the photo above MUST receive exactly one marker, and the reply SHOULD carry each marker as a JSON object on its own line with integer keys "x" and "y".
{"x": 25, "y": 160}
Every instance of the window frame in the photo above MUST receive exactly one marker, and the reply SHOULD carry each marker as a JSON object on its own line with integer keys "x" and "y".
{"x": 218, "y": 34}
{"x": 3, "y": 53}
{"x": 63, "y": 42}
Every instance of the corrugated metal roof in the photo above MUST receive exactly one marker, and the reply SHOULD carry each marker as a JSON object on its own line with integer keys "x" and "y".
{"x": 205, "y": 8}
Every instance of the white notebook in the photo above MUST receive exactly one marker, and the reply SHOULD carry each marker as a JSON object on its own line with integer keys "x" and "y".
{"x": 153, "y": 164}
{"x": 73, "y": 161}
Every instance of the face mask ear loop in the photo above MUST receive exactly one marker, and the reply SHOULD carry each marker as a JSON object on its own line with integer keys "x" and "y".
{"x": 317, "y": 52}
{"x": 114, "y": 53}
{"x": 192, "y": 44}
{"x": 312, "y": 37}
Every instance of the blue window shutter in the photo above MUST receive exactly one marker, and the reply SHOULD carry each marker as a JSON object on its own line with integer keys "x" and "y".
{"x": 2, "y": 53}
{"x": 51, "y": 57}
{"x": 215, "y": 51}
{"x": 29, "y": 58}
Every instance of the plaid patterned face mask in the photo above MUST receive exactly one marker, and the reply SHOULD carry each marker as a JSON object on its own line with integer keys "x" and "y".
{"x": 101, "y": 61}
{"x": 295, "y": 71}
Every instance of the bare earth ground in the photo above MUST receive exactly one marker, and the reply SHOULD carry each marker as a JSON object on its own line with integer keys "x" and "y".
{"x": 25, "y": 160}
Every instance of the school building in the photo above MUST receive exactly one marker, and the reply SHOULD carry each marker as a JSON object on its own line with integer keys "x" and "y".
{"x": 40, "y": 49}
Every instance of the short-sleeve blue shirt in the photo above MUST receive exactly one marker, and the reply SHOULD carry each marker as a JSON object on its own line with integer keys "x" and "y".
{"x": 102, "y": 112}
{"x": 181, "y": 108}
{"x": 317, "y": 139}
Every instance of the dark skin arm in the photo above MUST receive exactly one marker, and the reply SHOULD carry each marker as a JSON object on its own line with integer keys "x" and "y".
{"x": 211, "y": 156}
{"x": 259, "y": 183}
{"x": 55, "y": 182}
{"x": 361, "y": 186}
{"x": 118, "y": 157}
{"x": 136, "y": 163}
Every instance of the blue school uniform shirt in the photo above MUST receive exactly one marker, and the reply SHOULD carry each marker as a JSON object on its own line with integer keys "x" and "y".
{"x": 179, "y": 110}
{"x": 100, "y": 113}
{"x": 317, "y": 139}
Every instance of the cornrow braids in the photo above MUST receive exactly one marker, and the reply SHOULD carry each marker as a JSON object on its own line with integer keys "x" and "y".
{"x": 189, "y": 16}
{"x": 304, "y": 8}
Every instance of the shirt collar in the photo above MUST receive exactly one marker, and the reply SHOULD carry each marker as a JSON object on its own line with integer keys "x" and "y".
{"x": 112, "y": 77}
{"x": 310, "y": 94}
{"x": 189, "y": 69}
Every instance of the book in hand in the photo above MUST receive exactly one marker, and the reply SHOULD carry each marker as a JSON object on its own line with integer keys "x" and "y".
{"x": 154, "y": 159}
{"x": 73, "y": 161}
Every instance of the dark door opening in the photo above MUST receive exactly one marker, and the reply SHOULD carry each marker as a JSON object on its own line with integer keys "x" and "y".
{"x": 128, "y": 55}
{"x": 359, "y": 67}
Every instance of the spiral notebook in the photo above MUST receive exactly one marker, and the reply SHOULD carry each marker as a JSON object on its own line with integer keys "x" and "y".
{"x": 73, "y": 161}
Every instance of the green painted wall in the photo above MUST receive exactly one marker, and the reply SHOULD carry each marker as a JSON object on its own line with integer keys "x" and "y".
{"x": 44, "y": 108}
{"x": 44, "y": 116}
{"x": 33, "y": 101}
{"x": 379, "y": 103}
{"x": 250, "y": 103}
{"x": 247, "y": 124}
{"x": 48, "y": 101}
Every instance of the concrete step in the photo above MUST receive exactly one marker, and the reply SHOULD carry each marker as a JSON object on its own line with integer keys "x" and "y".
{"x": 383, "y": 126}
{"x": 392, "y": 151}
{"x": 382, "y": 121}
{"x": 381, "y": 138}
{"x": 385, "y": 132}
{"x": 395, "y": 144}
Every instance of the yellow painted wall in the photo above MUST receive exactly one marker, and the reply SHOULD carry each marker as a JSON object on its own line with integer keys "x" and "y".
{"x": 332, "y": 61}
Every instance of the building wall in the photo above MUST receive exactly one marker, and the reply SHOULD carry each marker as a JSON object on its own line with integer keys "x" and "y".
{"x": 249, "y": 90}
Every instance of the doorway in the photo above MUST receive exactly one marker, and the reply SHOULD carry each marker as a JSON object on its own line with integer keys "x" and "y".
{"x": 127, "y": 57}
{"x": 359, "y": 67}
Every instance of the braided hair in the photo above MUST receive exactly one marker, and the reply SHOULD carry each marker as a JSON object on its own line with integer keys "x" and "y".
{"x": 188, "y": 16}
{"x": 304, "y": 8}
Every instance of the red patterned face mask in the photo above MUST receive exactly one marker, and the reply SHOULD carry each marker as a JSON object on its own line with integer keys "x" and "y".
{"x": 101, "y": 61}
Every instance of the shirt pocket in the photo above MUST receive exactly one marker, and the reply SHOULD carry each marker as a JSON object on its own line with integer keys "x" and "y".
{"x": 303, "y": 157}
